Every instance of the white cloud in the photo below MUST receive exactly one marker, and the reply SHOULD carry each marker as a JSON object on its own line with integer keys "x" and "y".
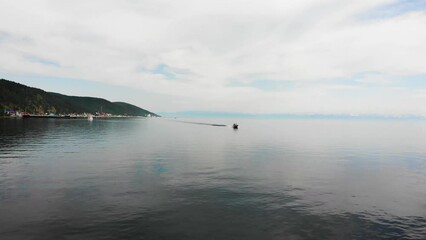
{"x": 210, "y": 44}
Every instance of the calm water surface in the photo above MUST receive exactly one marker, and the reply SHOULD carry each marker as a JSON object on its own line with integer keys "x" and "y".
{"x": 162, "y": 179}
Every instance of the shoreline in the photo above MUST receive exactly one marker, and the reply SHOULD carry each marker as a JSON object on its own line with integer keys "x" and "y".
{"x": 64, "y": 117}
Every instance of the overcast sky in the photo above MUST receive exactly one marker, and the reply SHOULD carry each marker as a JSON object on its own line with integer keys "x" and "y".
{"x": 252, "y": 56}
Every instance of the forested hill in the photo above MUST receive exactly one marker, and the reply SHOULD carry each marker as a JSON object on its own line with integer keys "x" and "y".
{"x": 18, "y": 97}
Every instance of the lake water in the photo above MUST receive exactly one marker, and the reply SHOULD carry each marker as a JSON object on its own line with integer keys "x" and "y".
{"x": 162, "y": 179}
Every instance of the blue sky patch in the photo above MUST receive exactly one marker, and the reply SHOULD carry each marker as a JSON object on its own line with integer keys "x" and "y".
{"x": 43, "y": 61}
{"x": 164, "y": 70}
{"x": 3, "y": 36}
{"x": 168, "y": 72}
{"x": 412, "y": 82}
{"x": 395, "y": 9}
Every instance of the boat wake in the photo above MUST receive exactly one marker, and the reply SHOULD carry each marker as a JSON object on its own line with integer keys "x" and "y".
{"x": 234, "y": 126}
{"x": 201, "y": 123}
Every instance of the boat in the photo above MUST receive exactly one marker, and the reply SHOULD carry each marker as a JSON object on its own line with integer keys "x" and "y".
{"x": 235, "y": 126}
{"x": 90, "y": 118}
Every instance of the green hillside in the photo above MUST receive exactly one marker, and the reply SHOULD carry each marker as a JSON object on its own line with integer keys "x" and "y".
{"x": 18, "y": 97}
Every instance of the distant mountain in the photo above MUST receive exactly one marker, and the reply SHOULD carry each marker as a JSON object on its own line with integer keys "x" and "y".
{"x": 236, "y": 115}
{"x": 18, "y": 97}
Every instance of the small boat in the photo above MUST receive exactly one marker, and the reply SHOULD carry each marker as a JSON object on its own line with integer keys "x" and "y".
{"x": 235, "y": 126}
{"x": 90, "y": 118}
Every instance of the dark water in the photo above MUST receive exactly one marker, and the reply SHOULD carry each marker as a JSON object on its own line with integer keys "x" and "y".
{"x": 160, "y": 179}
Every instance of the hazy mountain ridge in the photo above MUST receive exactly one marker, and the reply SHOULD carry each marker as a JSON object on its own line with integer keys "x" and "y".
{"x": 19, "y": 97}
{"x": 206, "y": 114}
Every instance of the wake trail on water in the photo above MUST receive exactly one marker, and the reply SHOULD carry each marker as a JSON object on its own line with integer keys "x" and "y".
{"x": 200, "y": 123}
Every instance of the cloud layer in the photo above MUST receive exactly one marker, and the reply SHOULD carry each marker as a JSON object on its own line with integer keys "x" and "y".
{"x": 323, "y": 56}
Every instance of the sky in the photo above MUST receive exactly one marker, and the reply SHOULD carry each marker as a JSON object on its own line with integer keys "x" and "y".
{"x": 251, "y": 56}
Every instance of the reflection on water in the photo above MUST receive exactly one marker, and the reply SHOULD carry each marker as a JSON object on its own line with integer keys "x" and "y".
{"x": 159, "y": 179}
